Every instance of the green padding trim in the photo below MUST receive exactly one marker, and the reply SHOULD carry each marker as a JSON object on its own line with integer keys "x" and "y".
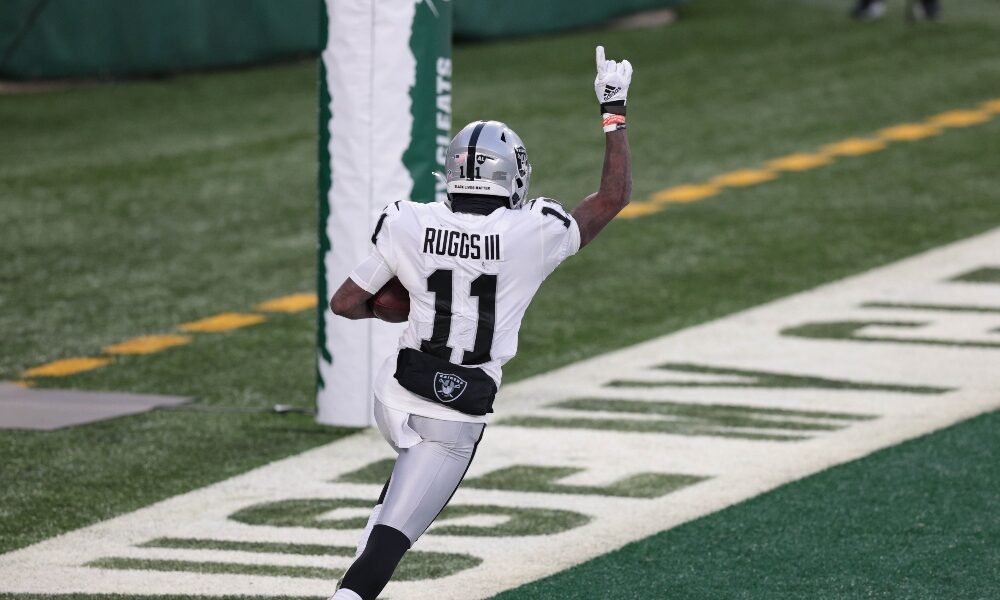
{"x": 324, "y": 245}
{"x": 430, "y": 96}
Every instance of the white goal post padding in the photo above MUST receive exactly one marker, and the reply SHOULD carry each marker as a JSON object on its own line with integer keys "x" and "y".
{"x": 385, "y": 118}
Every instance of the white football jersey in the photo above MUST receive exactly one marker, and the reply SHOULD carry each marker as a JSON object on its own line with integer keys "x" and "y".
{"x": 470, "y": 279}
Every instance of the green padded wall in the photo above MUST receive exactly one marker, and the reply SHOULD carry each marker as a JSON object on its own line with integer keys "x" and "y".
{"x": 47, "y": 39}
{"x": 486, "y": 19}
{"x": 53, "y": 39}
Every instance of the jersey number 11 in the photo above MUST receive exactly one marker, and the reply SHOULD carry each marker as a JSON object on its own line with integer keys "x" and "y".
{"x": 483, "y": 287}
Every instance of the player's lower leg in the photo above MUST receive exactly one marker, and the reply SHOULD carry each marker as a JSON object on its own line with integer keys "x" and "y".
{"x": 372, "y": 519}
{"x": 373, "y": 568}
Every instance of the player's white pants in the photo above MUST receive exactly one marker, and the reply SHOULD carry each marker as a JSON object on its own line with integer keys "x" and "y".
{"x": 426, "y": 473}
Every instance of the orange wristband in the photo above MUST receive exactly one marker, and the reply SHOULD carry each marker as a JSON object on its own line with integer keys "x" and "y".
{"x": 613, "y": 122}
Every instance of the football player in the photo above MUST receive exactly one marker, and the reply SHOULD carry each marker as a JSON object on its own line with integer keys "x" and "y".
{"x": 471, "y": 266}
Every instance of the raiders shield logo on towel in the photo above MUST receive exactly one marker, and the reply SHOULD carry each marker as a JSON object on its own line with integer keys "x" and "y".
{"x": 468, "y": 390}
{"x": 448, "y": 387}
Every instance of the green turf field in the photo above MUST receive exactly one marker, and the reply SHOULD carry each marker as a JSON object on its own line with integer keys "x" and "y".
{"x": 919, "y": 520}
{"x": 128, "y": 209}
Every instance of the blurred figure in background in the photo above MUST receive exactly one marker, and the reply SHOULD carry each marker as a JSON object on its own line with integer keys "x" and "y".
{"x": 867, "y": 10}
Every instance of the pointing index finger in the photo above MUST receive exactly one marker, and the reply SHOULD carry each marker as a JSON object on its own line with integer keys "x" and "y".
{"x": 600, "y": 56}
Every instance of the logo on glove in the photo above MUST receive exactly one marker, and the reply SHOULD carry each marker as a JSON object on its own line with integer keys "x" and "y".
{"x": 610, "y": 91}
{"x": 448, "y": 387}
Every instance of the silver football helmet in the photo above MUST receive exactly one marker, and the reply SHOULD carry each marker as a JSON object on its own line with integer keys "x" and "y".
{"x": 487, "y": 158}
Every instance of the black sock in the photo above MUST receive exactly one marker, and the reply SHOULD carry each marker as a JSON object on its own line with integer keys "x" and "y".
{"x": 373, "y": 569}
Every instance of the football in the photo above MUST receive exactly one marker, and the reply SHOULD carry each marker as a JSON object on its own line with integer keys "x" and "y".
{"x": 392, "y": 302}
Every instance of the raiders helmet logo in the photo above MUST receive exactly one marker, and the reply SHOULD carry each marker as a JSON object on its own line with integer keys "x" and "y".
{"x": 522, "y": 160}
{"x": 448, "y": 387}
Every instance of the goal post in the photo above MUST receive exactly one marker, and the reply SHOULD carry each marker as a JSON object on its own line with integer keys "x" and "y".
{"x": 384, "y": 125}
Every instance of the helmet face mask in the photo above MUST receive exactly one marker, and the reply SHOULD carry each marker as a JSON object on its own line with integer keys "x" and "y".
{"x": 487, "y": 158}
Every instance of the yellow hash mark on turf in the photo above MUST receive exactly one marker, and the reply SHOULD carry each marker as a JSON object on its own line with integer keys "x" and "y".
{"x": 909, "y": 132}
{"x": 799, "y": 162}
{"x": 223, "y": 322}
{"x": 289, "y": 304}
{"x": 856, "y": 146}
{"x": 961, "y": 118}
{"x": 147, "y": 344}
{"x": 638, "y": 209}
{"x": 992, "y": 106}
{"x": 853, "y": 147}
{"x": 150, "y": 344}
{"x": 22, "y": 383}
{"x": 744, "y": 177}
{"x": 684, "y": 193}
{"x": 66, "y": 366}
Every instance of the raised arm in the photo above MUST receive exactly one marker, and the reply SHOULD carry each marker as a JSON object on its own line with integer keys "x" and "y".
{"x": 599, "y": 208}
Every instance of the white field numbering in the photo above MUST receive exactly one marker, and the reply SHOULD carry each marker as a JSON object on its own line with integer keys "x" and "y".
{"x": 587, "y": 458}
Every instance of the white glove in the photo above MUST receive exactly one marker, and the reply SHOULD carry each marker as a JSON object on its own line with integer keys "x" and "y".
{"x": 611, "y": 85}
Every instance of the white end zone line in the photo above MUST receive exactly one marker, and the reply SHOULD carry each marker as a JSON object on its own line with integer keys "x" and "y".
{"x": 949, "y": 350}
